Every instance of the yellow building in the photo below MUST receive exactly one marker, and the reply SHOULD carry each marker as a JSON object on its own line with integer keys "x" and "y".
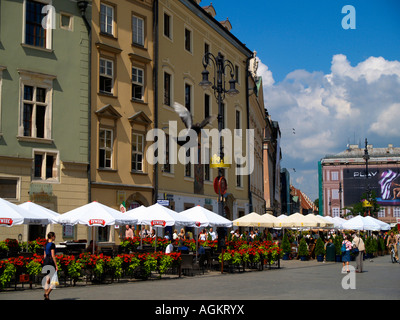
{"x": 186, "y": 31}
{"x": 122, "y": 105}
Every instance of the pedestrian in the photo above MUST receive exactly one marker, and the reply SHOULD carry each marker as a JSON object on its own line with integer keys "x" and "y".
{"x": 49, "y": 260}
{"x": 346, "y": 254}
{"x": 212, "y": 234}
{"x": 128, "y": 232}
{"x": 392, "y": 242}
{"x": 359, "y": 244}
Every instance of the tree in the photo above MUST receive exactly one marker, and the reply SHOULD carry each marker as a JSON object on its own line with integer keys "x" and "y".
{"x": 359, "y": 208}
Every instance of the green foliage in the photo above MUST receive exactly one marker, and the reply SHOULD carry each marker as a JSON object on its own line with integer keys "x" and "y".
{"x": 8, "y": 272}
{"x": 74, "y": 269}
{"x": 285, "y": 246}
{"x": 34, "y": 268}
{"x": 165, "y": 263}
{"x": 337, "y": 241}
{"x": 115, "y": 266}
{"x": 359, "y": 209}
{"x": 319, "y": 247}
{"x": 303, "y": 251}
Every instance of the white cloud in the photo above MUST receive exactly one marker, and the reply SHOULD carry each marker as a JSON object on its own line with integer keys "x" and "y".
{"x": 330, "y": 110}
{"x": 387, "y": 123}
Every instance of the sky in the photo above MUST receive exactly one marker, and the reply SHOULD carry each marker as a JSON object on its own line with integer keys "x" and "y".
{"x": 327, "y": 86}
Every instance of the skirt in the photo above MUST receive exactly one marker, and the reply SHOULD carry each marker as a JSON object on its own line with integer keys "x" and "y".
{"x": 346, "y": 256}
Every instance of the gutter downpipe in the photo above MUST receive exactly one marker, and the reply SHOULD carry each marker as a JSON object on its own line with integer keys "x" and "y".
{"x": 82, "y": 5}
{"x": 250, "y": 195}
{"x": 155, "y": 85}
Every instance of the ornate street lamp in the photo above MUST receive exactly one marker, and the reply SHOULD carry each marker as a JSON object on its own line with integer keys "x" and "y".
{"x": 366, "y": 157}
{"x": 221, "y": 66}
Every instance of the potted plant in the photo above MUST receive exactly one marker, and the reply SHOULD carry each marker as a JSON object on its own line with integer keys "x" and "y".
{"x": 338, "y": 244}
{"x": 320, "y": 250}
{"x": 285, "y": 246}
{"x": 303, "y": 250}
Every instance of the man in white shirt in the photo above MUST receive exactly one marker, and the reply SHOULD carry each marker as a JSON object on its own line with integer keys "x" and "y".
{"x": 359, "y": 243}
{"x": 212, "y": 234}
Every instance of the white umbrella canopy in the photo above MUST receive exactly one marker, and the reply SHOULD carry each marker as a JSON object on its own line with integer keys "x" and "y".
{"x": 160, "y": 216}
{"x": 384, "y": 226}
{"x": 322, "y": 223}
{"x": 12, "y": 215}
{"x": 204, "y": 217}
{"x": 336, "y": 223}
{"x": 95, "y": 214}
{"x": 360, "y": 223}
{"x": 40, "y": 211}
{"x": 251, "y": 220}
{"x": 298, "y": 220}
{"x": 268, "y": 220}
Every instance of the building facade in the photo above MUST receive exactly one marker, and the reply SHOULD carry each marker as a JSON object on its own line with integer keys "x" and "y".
{"x": 257, "y": 123}
{"x": 271, "y": 162}
{"x": 43, "y": 109}
{"x": 345, "y": 180}
{"x": 186, "y": 31}
{"x": 122, "y": 65}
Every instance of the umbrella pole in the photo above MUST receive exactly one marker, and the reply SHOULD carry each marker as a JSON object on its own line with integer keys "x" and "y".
{"x": 197, "y": 242}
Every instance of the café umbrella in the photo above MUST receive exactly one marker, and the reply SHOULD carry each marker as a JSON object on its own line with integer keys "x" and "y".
{"x": 206, "y": 218}
{"x": 12, "y": 215}
{"x": 95, "y": 214}
{"x": 384, "y": 226}
{"x": 252, "y": 220}
{"x": 298, "y": 220}
{"x": 158, "y": 216}
{"x": 40, "y": 211}
{"x": 360, "y": 223}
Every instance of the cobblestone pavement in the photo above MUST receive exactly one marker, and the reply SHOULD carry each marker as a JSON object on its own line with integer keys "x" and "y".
{"x": 295, "y": 280}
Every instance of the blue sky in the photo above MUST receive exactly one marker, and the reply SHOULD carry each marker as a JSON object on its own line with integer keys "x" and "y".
{"x": 334, "y": 86}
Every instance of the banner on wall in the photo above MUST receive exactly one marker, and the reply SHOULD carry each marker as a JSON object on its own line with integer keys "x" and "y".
{"x": 385, "y": 182}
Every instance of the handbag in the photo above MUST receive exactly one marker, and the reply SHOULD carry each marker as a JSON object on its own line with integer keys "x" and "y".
{"x": 343, "y": 249}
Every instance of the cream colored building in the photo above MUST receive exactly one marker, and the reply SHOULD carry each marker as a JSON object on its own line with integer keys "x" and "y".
{"x": 122, "y": 105}
{"x": 186, "y": 31}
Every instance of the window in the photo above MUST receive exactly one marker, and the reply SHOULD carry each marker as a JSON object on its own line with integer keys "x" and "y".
{"x": 335, "y": 212}
{"x": 167, "y": 26}
{"x": 9, "y": 188}
{"x": 237, "y": 74}
{"x": 167, "y": 89}
{"x": 206, "y": 50}
{"x": 239, "y": 178}
{"x": 106, "y": 19}
{"x": 188, "y": 40}
{"x": 35, "y": 34}
{"x": 137, "y": 152}
{"x": 34, "y": 112}
{"x": 188, "y": 97}
{"x": 105, "y": 148}
{"x": 396, "y": 212}
{"x": 137, "y": 83}
{"x": 206, "y": 105}
{"x": 167, "y": 165}
{"x": 335, "y": 175}
{"x": 237, "y": 119}
{"x": 106, "y": 76}
{"x": 66, "y": 21}
{"x": 137, "y": 31}
{"x": 188, "y": 166}
{"x": 35, "y": 106}
{"x": 381, "y": 213}
{"x": 335, "y": 194}
{"x": 45, "y": 166}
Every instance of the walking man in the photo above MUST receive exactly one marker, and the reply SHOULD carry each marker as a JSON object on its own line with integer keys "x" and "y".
{"x": 359, "y": 243}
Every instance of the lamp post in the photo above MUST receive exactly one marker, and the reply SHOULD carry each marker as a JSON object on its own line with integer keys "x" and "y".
{"x": 366, "y": 157}
{"x": 340, "y": 198}
{"x": 221, "y": 66}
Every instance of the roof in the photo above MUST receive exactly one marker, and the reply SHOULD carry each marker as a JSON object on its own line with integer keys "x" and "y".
{"x": 305, "y": 202}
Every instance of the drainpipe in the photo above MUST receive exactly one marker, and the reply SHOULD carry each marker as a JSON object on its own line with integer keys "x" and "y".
{"x": 155, "y": 86}
{"x": 250, "y": 195}
{"x": 82, "y": 5}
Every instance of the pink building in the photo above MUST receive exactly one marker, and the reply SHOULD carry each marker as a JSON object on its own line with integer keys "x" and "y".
{"x": 344, "y": 180}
